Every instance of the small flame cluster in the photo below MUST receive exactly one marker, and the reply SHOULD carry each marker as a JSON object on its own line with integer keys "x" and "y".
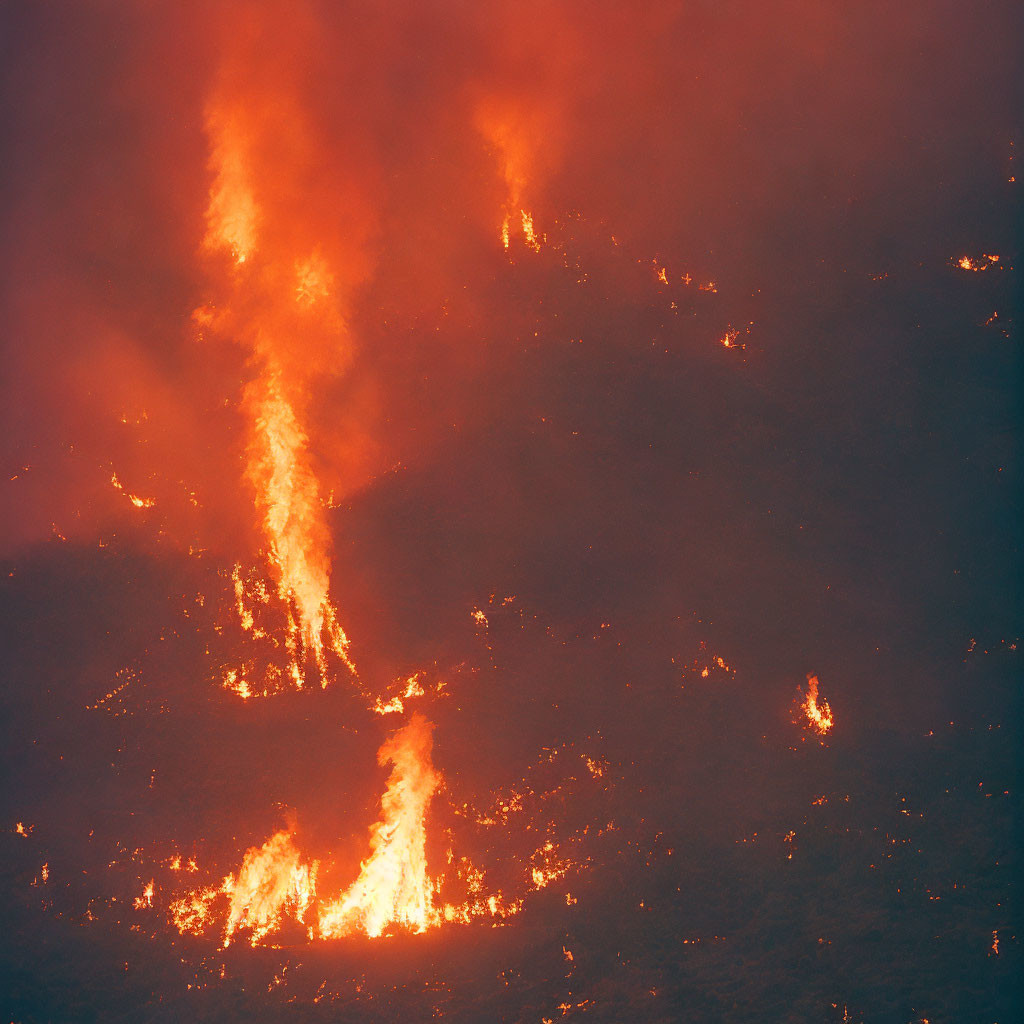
{"x": 817, "y": 712}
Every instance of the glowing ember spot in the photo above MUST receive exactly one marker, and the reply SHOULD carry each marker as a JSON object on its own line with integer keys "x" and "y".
{"x": 818, "y": 713}
{"x": 133, "y": 498}
{"x": 271, "y": 881}
{"x": 994, "y": 948}
{"x": 413, "y": 688}
{"x": 789, "y": 838}
{"x": 393, "y": 887}
{"x": 548, "y": 866}
{"x": 974, "y": 266}
{"x": 706, "y": 664}
{"x": 235, "y": 681}
{"x": 193, "y": 912}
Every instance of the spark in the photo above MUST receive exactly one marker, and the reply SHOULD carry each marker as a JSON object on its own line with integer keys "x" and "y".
{"x": 975, "y": 266}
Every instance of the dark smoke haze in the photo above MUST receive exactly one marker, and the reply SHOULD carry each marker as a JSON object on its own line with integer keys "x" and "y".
{"x": 839, "y": 497}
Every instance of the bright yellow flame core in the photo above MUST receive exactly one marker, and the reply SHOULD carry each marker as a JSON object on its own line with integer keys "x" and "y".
{"x": 289, "y": 499}
{"x": 283, "y": 307}
{"x": 271, "y": 881}
{"x": 393, "y": 890}
{"x": 819, "y": 714}
{"x": 393, "y": 886}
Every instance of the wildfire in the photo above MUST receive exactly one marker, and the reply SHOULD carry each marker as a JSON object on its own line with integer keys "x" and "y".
{"x": 271, "y": 881}
{"x": 974, "y": 266}
{"x": 273, "y": 298}
{"x": 505, "y": 132}
{"x": 413, "y": 688}
{"x": 288, "y": 496}
{"x": 393, "y": 886}
{"x": 528, "y": 232}
{"x": 818, "y": 714}
{"x": 275, "y": 291}
{"x": 146, "y": 899}
{"x": 394, "y": 889}
{"x": 133, "y": 498}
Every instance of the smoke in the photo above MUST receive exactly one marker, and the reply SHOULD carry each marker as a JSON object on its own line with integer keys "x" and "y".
{"x": 553, "y": 424}
{"x": 416, "y": 312}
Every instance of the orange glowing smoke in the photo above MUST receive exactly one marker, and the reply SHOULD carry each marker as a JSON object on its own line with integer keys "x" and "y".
{"x": 818, "y": 714}
{"x": 133, "y": 498}
{"x": 231, "y": 216}
{"x": 506, "y": 132}
{"x": 279, "y": 298}
{"x": 393, "y": 887}
{"x": 975, "y": 266}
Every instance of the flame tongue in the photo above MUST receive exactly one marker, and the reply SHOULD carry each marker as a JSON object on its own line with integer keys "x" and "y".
{"x": 279, "y": 299}
{"x": 271, "y": 881}
{"x": 289, "y": 498}
{"x": 819, "y": 714}
{"x": 393, "y": 886}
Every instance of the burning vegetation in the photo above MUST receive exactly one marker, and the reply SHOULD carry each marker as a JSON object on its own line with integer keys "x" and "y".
{"x": 435, "y": 459}
{"x": 816, "y": 712}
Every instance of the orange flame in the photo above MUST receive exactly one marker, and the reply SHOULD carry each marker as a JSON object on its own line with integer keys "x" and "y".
{"x": 288, "y": 495}
{"x": 133, "y": 498}
{"x": 393, "y": 886}
{"x": 506, "y": 133}
{"x": 819, "y": 715}
{"x": 273, "y": 302}
{"x": 271, "y": 881}
{"x": 393, "y": 889}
